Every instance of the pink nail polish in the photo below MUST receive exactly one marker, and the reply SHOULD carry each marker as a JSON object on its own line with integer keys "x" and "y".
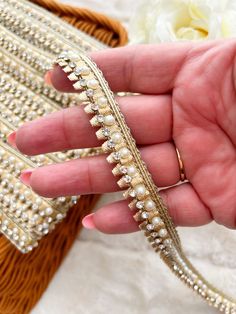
{"x": 25, "y": 176}
{"x": 11, "y": 139}
{"x": 47, "y": 78}
{"x": 88, "y": 222}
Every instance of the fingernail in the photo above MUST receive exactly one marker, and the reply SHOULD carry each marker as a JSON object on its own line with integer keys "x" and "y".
{"x": 11, "y": 139}
{"x": 25, "y": 176}
{"x": 47, "y": 78}
{"x": 88, "y": 222}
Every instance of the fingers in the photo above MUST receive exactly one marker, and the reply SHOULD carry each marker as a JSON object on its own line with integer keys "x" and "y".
{"x": 184, "y": 205}
{"x": 93, "y": 175}
{"x": 149, "y": 117}
{"x": 144, "y": 68}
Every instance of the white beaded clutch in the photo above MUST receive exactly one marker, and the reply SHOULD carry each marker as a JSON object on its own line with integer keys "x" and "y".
{"x": 30, "y": 38}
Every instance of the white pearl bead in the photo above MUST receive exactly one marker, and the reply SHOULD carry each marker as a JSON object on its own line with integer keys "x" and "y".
{"x": 93, "y": 84}
{"x": 38, "y": 201}
{"x": 15, "y": 230}
{"x": 85, "y": 70}
{"x": 167, "y": 242}
{"x": 39, "y": 228}
{"x": 149, "y": 205}
{"x": 9, "y": 232}
{"x": 144, "y": 215}
{"x": 20, "y": 165}
{"x": 18, "y": 185}
{"x": 59, "y": 216}
{"x": 45, "y": 225}
{"x": 11, "y": 159}
{"x": 48, "y": 211}
{"x": 35, "y": 207}
{"x": 109, "y": 120}
{"x": 35, "y": 217}
{"x": 82, "y": 70}
{"x": 140, "y": 190}
{"x": 116, "y": 137}
{"x": 124, "y": 152}
{"x": 23, "y": 238}
{"x": 102, "y": 102}
{"x": 24, "y": 216}
{"x": 156, "y": 221}
{"x": 131, "y": 171}
{"x": 27, "y": 193}
{"x": 162, "y": 233}
{"x": 18, "y": 212}
{"x": 41, "y": 158}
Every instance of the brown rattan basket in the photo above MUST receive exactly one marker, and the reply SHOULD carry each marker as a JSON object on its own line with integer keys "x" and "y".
{"x": 105, "y": 29}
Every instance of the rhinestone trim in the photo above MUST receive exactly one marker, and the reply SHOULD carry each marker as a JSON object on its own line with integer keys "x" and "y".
{"x": 30, "y": 37}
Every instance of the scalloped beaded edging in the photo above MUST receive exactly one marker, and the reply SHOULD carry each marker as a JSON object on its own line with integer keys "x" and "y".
{"x": 133, "y": 174}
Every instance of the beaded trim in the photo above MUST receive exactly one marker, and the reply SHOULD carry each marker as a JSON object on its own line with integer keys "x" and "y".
{"x": 30, "y": 37}
{"x": 133, "y": 174}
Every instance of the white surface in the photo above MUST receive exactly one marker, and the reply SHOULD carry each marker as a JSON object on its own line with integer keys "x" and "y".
{"x": 121, "y": 274}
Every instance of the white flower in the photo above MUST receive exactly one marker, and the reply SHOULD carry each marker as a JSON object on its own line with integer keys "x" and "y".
{"x": 158, "y": 21}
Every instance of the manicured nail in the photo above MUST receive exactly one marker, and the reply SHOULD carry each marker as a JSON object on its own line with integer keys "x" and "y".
{"x": 88, "y": 222}
{"x": 47, "y": 78}
{"x": 25, "y": 176}
{"x": 11, "y": 139}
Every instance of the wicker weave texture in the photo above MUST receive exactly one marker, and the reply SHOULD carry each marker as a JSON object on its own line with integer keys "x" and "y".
{"x": 105, "y": 29}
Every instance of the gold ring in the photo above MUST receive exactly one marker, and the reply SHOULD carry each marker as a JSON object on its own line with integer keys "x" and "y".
{"x": 181, "y": 166}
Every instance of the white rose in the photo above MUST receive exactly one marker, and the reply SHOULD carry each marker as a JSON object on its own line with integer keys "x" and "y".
{"x": 158, "y": 21}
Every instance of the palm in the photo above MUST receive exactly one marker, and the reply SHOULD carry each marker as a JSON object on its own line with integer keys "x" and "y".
{"x": 204, "y": 106}
{"x": 190, "y": 98}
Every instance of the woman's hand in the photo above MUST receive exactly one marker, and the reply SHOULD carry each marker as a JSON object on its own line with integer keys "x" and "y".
{"x": 189, "y": 97}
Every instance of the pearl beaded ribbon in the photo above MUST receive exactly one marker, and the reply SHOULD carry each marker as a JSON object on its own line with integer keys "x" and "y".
{"x": 145, "y": 200}
{"x": 30, "y": 38}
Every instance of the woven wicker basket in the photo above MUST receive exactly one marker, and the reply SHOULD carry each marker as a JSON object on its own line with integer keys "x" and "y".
{"x": 105, "y": 29}
{"x": 24, "y": 278}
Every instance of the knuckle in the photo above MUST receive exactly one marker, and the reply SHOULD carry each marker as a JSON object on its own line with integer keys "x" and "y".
{"x": 89, "y": 176}
{"x": 225, "y": 217}
{"x": 40, "y": 184}
{"x": 170, "y": 204}
{"x": 66, "y": 127}
{"x": 70, "y": 119}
